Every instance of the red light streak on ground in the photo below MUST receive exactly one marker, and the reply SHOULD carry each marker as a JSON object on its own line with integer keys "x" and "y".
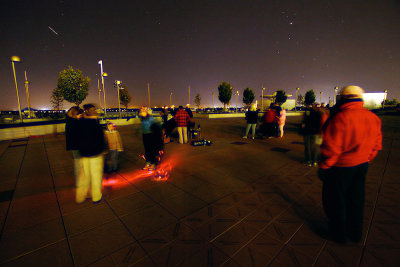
{"x": 161, "y": 174}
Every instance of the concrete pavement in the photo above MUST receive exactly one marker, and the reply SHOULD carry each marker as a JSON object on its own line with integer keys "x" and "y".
{"x": 236, "y": 203}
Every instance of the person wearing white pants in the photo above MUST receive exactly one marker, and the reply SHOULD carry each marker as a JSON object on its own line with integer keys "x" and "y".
{"x": 91, "y": 148}
{"x": 92, "y": 177}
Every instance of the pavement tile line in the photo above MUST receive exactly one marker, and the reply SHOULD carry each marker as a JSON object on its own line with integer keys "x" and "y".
{"x": 129, "y": 231}
{"x": 58, "y": 203}
{"x": 15, "y": 186}
{"x": 31, "y": 251}
{"x": 375, "y": 204}
{"x": 264, "y": 228}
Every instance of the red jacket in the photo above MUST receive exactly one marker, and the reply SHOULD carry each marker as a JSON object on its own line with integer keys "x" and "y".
{"x": 182, "y": 118}
{"x": 351, "y": 137}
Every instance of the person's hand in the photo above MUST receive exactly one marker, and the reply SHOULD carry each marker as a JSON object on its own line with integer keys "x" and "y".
{"x": 322, "y": 174}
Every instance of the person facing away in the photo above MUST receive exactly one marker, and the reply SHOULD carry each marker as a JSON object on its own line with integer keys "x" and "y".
{"x": 269, "y": 119}
{"x": 281, "y": 122}
{"x": 251, "y": 118}
{"x": 181, "y": 119}
{"x": 152, "y": 138}
{"x": 114, "y": 144}
{"x": 91, "y": 148}
{"x": 311, "y": 129}
{"x": 352, "y": 139}
{"x": 74, "y": 114}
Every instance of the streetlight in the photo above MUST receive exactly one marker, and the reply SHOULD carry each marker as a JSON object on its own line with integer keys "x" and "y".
{"x": 189, "y": 96}
{"x": 16, "y": 59}
{"x": 213, "y": 100}
{"x": 98, "y": 88}
{"x": 148, "y": 91}
{"x": 27, "y": 95}
{"x": 384, "y": 99}
{"x": 295, "y": 101}
{"x": 334, "y": 97}
{"x": 320, "y": 97}
{"x": 103, "y": 74}
{"x": 237, "y": 94}
{"x": 119, "y": 101}
{"x": 262, "y": 99}
{"x": 170, "y": 99}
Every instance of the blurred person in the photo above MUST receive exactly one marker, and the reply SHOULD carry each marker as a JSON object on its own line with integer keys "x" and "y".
{"x": 91, "y": 148}
{"x": 72, "y": 136}
{"x": 114, "y": 144}
{"x": 251, "y": 118}
{"x": 152, "y": 138}
{"x": 311, "y": 130}
{"x": 181, "y": 119}
{"x": 281, "y": 122}
{"x": 269, "y": 121}
{"x": 191, "y": 124}
{"x": 324, "y": 113}
{"x": 352, "y": 139}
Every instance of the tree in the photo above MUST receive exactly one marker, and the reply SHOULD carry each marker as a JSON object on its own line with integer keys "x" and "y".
{"x": 124, "y": 96}
{"x": 73, "y": 85}
{"x": 197, "y": 100}
{"x": 248, "y": 96}
{"x": 225, "y": 93}
{"x": 56, "y": 99}
{"x": 280, "y": 97}
{"x": 388, "y": 102}
{"x": 309, "y": 98}
{"x": 300, "y": 100}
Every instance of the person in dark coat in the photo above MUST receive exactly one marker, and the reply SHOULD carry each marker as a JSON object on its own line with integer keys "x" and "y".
{"x": 252, "y": 119}
{"x": 74, "y": 114}
{"x": 152, "y": 139}
{"x": 311, "y": 130}
{"x": 91, "y": 148}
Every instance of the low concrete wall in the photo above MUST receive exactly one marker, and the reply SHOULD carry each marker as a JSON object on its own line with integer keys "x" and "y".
{"x": 23, "y": 132}
{"x": 235, "y": 115}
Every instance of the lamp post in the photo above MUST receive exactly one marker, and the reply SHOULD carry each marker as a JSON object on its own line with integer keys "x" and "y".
{"x": 103, "y": 74}
{"x": 320, "y": 97}
{"x": 335, "y": 90}
{"x": 295, "y": 101}
{"x": 16, "y": 59}
{"x": 148, "y": 92}
{"x": 237, "y": 94}
{"x": 119, "y": 101}
{"x": 262, "y": 99}
{"x": 384, "y": 99}
{"x": 27, "y": 95}
{"x": 213, "y": 94}
{"x": 170, "y": 99}
{"x": 99, "y": 89}
{"x": 189, "y": 96}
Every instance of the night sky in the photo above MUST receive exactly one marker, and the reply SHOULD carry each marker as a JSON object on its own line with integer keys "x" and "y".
{"x": 280, "y": 45}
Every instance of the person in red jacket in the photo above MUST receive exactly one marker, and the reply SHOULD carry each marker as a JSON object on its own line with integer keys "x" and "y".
{"x": 352, "y": 139}
{"x": 182, "y": 118}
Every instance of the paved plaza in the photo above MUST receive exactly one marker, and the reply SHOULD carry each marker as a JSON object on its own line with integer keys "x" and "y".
{"x": 238, "y": 202}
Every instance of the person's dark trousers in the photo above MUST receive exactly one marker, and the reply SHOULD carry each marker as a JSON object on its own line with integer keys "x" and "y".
{"x": 311, "y": 149}
{"x": 343, "y": 195}
{"x": 150, "y": 148}
{"x": 112, "y": 160}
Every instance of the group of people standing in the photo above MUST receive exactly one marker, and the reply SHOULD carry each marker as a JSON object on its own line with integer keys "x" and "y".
{"x": 273, "y": 121}
{"x": 88, "y": 141}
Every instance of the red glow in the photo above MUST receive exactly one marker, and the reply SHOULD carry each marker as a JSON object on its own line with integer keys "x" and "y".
{"x": 161, "y": 174}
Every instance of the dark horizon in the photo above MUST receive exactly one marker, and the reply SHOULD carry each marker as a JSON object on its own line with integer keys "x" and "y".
{"x": 280, "y": 45}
